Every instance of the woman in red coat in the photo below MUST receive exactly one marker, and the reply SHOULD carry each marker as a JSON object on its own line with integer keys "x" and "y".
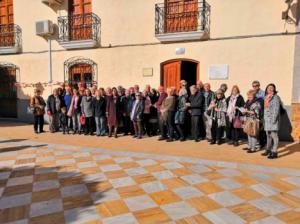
{"x": 112, "y": 111}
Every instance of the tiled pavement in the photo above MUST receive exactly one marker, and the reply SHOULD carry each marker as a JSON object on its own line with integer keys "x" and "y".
{"x": 42, "y": 183}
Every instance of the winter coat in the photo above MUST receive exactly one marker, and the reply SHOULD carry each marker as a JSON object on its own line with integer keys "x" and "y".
{"x": 137, "y": 111}
{"x": 113, "y": 110}
{"x": 181, "y": 110}
{"x": 196, "y": 104}
{"x": 209, "y": 99}
{"x": 272, "y": 114}
{"x": 51, "y": 104}
{"x": 38, "y": 105}
{"x": 99, "y": 107}
{"x": 219, "y": 116}
{"x": 86, "y": 106}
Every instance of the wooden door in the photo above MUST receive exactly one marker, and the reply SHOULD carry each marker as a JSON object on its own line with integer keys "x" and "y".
{"x": 8, "y": 92}
{"x": 6, "y": 23}
{"x": 181, "y": 15}
{"x": 81, "y": 73}
{"x": 80, "y": 12}
{"x": 171, "y": 74}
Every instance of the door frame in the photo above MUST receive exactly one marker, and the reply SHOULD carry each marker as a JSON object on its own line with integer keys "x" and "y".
{"x": 175, "y": 60}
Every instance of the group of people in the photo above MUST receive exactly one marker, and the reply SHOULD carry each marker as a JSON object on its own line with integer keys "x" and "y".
{"x": 194, "y": 112}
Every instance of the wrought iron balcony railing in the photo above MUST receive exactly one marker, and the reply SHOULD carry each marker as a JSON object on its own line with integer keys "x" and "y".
{"x": 81, "y": 27}
{"x": 182, "y": 17}
{"x": 10, "y": 37}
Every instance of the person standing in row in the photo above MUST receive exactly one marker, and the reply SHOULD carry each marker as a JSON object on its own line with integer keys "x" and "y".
{"x": 99, "y": 112}
{"x": 136, "y": 116}
{"x": 87, "y": 111}
{"x": 75, "y": 111}
{"x": 272, "y": 106}
{"x": 54, "y": 104}
{"x": 113, "y": 109}
{"x": 195, "y": 106}
{"x": 208, "y": 97}
{"x": 146, "y": 113}
{"x": 161, "y": 121}
{"x": 252, "y": 117}
{"x": 260, "y": 95}
{"x": 68, "y": 99}
{"x": 234, "y": 123}
{"x": 180, "y": 113}
{"x": 217, "y": 112}
{"x": 167, "y": 109}
{"x": 37, "y": 105}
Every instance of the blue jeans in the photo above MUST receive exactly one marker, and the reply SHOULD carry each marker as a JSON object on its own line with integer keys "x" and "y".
{"x": 76, "y": 121}
{"x": 100, "y": 125}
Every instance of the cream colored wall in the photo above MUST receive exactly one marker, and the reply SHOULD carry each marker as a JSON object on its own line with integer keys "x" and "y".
{"x": 269, "y": 59}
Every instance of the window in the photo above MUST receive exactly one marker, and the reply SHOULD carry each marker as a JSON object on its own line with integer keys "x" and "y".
{"x": 7, "y": 35}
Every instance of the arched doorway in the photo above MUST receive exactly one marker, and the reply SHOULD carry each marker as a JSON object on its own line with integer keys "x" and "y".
{"x": 8, "y": 90}
{"x": 172, "y": 71}
{"x": 80, "y": 70}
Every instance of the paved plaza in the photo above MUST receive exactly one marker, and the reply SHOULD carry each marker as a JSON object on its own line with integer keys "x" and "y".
{"x": 42, "y": 182}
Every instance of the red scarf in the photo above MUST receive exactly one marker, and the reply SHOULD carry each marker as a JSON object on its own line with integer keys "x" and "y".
{"x": 267, "y": 100}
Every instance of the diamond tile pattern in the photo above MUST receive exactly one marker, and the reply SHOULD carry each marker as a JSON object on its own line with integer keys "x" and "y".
{"x": 67, "y": 184}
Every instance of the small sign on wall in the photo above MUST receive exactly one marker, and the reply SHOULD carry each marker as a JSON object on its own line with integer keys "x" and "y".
{"x": 147, "y": 72}
{"x": 218, "y": 72}
{"x": 180, "y": 51}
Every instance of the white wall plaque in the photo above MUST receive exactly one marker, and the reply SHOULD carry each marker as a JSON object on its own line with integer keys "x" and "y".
{"x": 147, "y": 72}
{"x": 180, "y": 51}
{"x": 218, "y": 72}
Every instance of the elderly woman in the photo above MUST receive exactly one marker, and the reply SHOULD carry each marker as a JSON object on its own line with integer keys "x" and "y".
{"x": 87, "y": 111}
{"x": 180, "y": 113}
{"x": 217, "y": 111}
{"x": 37, "y": 105}
{"x": 146, "y": 113}
{"x": 54, "y": 104}
{"x": 234, "y": 102}
{"x": 75, "y": 111}
{"x": 272, "y": 105}
{"x": 113, "y": 110}
{"x": 252, "y": 112}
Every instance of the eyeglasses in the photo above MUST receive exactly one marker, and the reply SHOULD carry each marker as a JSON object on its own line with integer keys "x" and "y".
{"x": 255, "y": 86}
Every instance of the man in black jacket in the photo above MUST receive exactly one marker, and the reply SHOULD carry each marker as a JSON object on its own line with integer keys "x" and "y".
{"x": 208, "y": 97}
{"x": 54, "y": 104}
{"x": 195, "y": 104}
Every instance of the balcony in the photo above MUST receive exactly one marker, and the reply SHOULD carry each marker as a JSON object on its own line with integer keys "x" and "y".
{"x": 79, "y": 31}
{"x": 10, "y": 39}
{"x": 182, "y": 21}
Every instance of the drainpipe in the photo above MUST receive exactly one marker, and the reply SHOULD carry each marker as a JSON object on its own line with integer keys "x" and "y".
{"x": 50, "y": 62}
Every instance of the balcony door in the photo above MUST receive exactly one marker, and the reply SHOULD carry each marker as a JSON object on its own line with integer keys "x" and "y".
{"x": 80, "y": 19}
{"x": 8, "y": 92}
{"x": 181, "y": 15}
{"x": 81, "y": 73}
{"x": 6, "y": 23}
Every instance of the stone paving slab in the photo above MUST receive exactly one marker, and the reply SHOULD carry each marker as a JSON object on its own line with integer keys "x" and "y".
{"x": 71, "y": 184}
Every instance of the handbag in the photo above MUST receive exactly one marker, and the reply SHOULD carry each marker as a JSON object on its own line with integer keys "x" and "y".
{"x": 252, "y": 127}
{"x": 82, "y": 119}
{"x": 237, "y": 122}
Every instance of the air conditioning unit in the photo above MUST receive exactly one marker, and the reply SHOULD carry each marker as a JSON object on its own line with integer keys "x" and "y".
{"x": 44, "y": 28}
{"x": 52, "y": 2}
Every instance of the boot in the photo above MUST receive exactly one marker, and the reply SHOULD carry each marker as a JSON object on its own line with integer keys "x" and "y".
{"x": 266, "y": 153}
{"x": 273, "y": 155}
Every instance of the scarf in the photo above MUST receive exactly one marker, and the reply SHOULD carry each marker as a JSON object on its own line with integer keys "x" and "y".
{"x": 231, "y": 107}
{"x": 249, "y": 103}
{"x": 267, "y": 100}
